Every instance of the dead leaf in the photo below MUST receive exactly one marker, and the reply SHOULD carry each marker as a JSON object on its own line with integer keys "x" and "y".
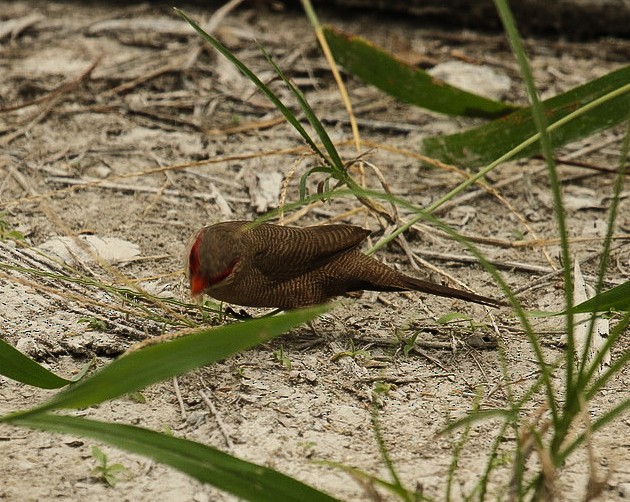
{"x": 585, "y": 322}
{"x": 111, "y": 249}
{"x": 264, "y": 190}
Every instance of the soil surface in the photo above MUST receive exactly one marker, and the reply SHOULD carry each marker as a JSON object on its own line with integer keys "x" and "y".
{"x": 117, "y": 122}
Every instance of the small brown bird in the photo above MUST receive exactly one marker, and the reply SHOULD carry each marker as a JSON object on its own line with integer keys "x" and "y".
{"x": 281, "y": 267}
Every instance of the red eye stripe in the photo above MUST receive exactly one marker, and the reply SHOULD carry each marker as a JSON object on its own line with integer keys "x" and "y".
{"x": 222, "y": 275}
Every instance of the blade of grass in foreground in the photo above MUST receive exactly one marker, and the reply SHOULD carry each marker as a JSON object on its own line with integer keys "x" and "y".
{"x": 408, "y": 83}
{"x": 154, "y": 363}
{"x": 484, "y": 144}
{"x": 209, "y": 465}
{"x": 15, "y": 365}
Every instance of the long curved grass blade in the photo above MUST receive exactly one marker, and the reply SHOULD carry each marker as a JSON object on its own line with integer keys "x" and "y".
{"x": 310, "y": 116}
{"x": 541, "y": 127}
{"x": 407, "y": 83}
{"x": 488, "y": 142}
{"x": 17, "y": 366}
{"x": 158, "y": 362}
{"x": 209, "y": 465}
{"x": 288, "y": 114}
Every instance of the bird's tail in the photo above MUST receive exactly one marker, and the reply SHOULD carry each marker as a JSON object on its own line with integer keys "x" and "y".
{"x": 436, "y": 289}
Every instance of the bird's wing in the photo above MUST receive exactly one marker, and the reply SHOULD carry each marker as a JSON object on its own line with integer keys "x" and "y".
{"x": 288, "y": 251}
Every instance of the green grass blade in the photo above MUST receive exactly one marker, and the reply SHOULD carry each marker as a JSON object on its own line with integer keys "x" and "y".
{"x": 615, "y": 201}
{"x": 396, "y": 485}
{"x": 15, "y": 365}
{"x": 154, "y": 363}
{"x": 486, "y": 143}
{"x": 407, "y": 83}
{"x": 291, "y": 118}
{"x": 209, "y": 465}
{"x": 562, "y": 412}
{"x": 311, "y": 117}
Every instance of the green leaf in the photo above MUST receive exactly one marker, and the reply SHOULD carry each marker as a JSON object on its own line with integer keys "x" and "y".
{"x": 99, "y": 455}
{"x": 407, "y": 83}
{"x": 94, "y": 323}
{"x": 482, "y": 145}
{"x": 453, "y": 317}
{"x": 209, "y": 465}
{"x": 542, "y": 313}
{"x": 617, "y": 298}
{"x": 15, "y": 365}
{"x": 158, "y": 362}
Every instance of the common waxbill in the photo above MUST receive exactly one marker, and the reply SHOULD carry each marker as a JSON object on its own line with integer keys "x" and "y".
{"x": 266, "y": 265}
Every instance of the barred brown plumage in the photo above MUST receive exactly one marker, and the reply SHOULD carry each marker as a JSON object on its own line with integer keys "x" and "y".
{"x": 266, "y": 265}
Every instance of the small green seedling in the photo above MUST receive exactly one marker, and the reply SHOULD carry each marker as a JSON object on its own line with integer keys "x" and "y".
{"x": 6, "y": 233}
{"x": 137, "y": 397}
{"x": 353, "y": 352}
{"x": 409, "y": 343}
{"x": 106, "y": 472}
{"x": 94, "y": 323}
{"x": 283, "y": 359}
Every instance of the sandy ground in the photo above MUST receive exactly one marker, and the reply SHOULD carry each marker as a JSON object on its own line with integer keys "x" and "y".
{"x": 123, "y": 102}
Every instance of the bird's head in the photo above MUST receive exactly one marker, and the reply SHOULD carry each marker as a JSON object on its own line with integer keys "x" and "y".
{"x": 213, "y": 257}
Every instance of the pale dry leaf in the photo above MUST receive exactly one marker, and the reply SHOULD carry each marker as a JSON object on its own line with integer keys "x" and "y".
{"x": 574, "y": 199}
{"x": 580, "y": 198}
{"x": 584, "y": 323}
{"x": 111, "y": 249}
{"x": 264, "y": 190}
{"x": 483, "y": 80}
